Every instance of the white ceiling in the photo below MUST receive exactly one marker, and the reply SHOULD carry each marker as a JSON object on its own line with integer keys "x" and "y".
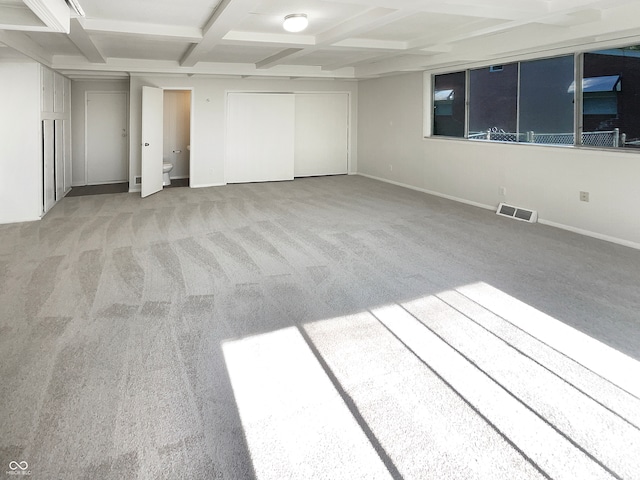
{"x": 345, "y": 39}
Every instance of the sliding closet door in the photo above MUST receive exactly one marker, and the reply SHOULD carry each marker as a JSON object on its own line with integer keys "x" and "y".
{"x": 48, "y": 165}
{"x": 260, "y": 137}
{"x": 321, "y": 143}
{"x": 58, "y": 129}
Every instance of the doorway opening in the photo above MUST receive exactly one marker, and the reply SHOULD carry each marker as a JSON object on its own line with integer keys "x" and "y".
{"x": 176, "y": 150}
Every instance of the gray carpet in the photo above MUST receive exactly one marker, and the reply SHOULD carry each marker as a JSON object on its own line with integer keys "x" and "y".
{"x": 325, "y": 328}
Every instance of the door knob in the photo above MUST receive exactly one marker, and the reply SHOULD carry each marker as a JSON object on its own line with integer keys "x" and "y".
{"x": 146, "y": 144}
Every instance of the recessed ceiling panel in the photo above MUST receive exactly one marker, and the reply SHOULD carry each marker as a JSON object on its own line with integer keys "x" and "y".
{"x": 7, "y": 53}
{"x": 238, "y": 54}
{"x": 328, "y": 57}
{"x": 437, "y": 26}
{"x": 193, "y": 13}
{"x": 56, "y": 42}
{"x": 150, "y": 48}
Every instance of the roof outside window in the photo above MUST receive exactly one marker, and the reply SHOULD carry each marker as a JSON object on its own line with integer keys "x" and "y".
{"x": 608, "y": 83}
{"x": 442, "y": 95}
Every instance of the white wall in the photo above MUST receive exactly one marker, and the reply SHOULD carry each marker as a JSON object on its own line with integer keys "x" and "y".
{"x": 544, "y": 178}
{"x": 177, "y": 128}
{"x": 78, "y": 117}
{"x": 20, "y": 156}
{"x": 208, "y": 118}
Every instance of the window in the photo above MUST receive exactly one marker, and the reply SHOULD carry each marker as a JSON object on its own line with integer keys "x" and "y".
{"x": 611, "y": 98}
{"x": 449, "y": 104}
{"x": 534, "y": 101}
{"x": 546, "y": 101}
{"x": 493, "y": 101}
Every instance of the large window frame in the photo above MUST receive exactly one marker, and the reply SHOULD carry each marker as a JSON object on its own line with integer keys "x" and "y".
{"x": 608, "y": 139}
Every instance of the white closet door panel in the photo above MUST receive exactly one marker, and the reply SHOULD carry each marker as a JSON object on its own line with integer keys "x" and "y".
{"x": 58, "y": 126}
{"x": 58, "y": 93}
{"x": 48, "y": 165}
{"x": 321, "y": 141}
{"x": 68, "y": 178}
{"x": 260, "y": 137}
{"x": 47, "y": 90}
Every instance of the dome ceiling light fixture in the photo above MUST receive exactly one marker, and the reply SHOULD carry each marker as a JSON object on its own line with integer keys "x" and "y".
{"x": 296, "y": 22}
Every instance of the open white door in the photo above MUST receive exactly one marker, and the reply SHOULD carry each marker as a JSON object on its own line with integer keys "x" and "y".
{"x": 152, "y": 125}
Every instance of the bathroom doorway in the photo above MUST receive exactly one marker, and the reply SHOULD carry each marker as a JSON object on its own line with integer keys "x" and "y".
{"x": 177, "y": 135}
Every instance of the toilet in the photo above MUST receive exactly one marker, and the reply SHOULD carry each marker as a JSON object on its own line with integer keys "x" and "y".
{"x": 166, "y": 168}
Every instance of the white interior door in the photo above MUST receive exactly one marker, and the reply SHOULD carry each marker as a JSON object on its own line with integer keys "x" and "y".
{"x": 106, "y": 137}
{"x": 321, "y": 143}
{"x": 260, "y": 137}
{"x": 152, "y": 125}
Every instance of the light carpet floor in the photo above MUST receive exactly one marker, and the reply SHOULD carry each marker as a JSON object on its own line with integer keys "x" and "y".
{"x": 325, "y": 328}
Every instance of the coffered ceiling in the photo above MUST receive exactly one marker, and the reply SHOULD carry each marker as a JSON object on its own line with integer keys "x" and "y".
{"x": 345, "y": 39}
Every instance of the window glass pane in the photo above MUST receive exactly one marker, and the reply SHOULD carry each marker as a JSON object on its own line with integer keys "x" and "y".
{"x": 449, "y": 104}
{"x": 611, "y": 98}
{"x": 546, "y": 101}
{"x": 493, "y": 94}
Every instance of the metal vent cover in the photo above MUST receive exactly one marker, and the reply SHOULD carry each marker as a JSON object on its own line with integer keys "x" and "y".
{"x": 518, "y": 213}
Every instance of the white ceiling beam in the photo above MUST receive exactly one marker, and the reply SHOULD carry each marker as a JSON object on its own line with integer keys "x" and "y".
{"x": 54, "y": 13}
{"x": 83, "y": 42}
{"x": 360, "y": 60}
{"x": 224, "y": 18}
{"x": 351, "y": 61}
{"x": 20, "y": 42}
{"x": 275, "y": 58}
{"x": 394, "y": 64}
{"x": 370, "y": 44}
{"x": 76, "y": 65}
{"x": 169, "y": 32}
{"x": 267, "y": 39}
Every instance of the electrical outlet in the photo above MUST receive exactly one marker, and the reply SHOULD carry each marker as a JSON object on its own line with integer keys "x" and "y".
{"x": 391, "y": 168}
{"x": 502, "y": 191}
{"x": 584, "y": 196}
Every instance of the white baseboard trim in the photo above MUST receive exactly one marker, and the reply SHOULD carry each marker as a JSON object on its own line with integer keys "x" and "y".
{"x": 431, "y": 192}
{"x": 20, "y": 220}
{"x": 138, "y": 189}
{"x": 587, "y": 233}
{"x": 205, "y": 185}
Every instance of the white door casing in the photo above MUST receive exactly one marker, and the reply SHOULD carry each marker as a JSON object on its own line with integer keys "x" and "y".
{"x": 152, "y": 131}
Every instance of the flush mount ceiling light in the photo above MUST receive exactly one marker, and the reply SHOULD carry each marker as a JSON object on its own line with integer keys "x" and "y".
{"x": 296, "y": 22}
